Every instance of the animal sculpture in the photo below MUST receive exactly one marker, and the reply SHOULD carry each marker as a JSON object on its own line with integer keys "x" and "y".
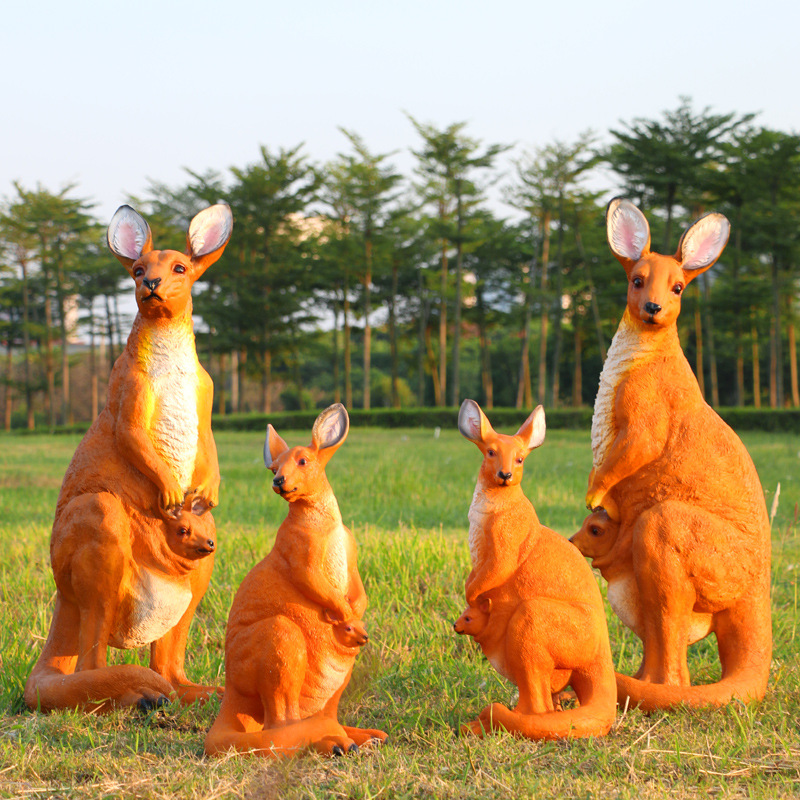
{"x": 680, "y": 483}
{"x": 118, "y": 581}
{"x": 288, "y": 651}
{"x": 189, "y": 535}
{"x": 544, "y": 626}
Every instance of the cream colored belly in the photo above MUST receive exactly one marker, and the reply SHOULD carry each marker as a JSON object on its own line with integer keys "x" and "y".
{"x": 623, "y": 597}
{"x": 155, "y": 605}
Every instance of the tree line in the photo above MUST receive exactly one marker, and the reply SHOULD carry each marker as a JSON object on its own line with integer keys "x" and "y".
{"x": 350, "y": 281}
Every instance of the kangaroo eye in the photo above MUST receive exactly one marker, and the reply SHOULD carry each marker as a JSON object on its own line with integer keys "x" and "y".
{"x": 302, "y": 462}
{"x": 637, "y": 282}
{"x": 490, "y": 453}
{"x": 595, "y": 531}
{"x": 520, "y": 459}
{"x": 677, "y": 288}
{"x": 183, "y": 531}
{"x": 179, "y": 268}
{"x": 138, "y": 272}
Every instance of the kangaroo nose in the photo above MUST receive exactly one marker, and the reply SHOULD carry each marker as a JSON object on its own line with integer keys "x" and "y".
{"x": 652, "y": 308}
{"x": 210, "y": 544}
{"x": 278, "y": 480}
{"x": 151, "y": 284}
{"x": 506, "y": 476}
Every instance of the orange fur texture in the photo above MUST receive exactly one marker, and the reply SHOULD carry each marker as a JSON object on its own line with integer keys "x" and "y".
{"x": 122, "y": 580}
{"x": 534, "y": 605}
{"x": 295, "y": 628}
{"x": 693, "y": 549}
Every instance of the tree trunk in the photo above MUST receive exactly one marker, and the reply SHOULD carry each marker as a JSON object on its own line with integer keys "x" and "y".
{"x": 221, "y": 384}
{"x": 95, "y": 410}
{"x": 348, "y": 377}
{"x": 524, "y": 381}
{"x": 775, "y": 354}
{"x": 367, "y": 326}
{"x": 485, "y": 351}
{"x": 26, "y": 344}
{"x": 737, "y": 320}
{"x": 557, "y": 307}
{"x": 456, "y": 390}
{"x": 756, "y": 365}
{"x": 577, "y": 377}
{"x": 235, "y": 394}
{"x": 393, "y": 338}
{"x": 9, "y": 392}
{"x": 49, "y": 362}
{"x": 712, "y": 355}
{"x": 437, "y": 387}
{"x": 598, "y": 323}
{"x": 440, "y": 395}
{"x": 424, "y": 311}
{"x": 543, "y": 326}
{"x": 266, "y": 382}
{"x": 793, "y": 364}
{"x": 337, "y": 378}
{"x": 698, "y": 335}
{"x": 110, "y": 333}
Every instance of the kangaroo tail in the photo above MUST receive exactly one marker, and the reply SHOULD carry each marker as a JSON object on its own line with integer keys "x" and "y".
{"x": 746, "y": 686}
{"x": 593, "y": 719}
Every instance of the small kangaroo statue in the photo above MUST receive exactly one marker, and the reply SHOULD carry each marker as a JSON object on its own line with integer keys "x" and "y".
{"x": 680, "y": 484}
{"x": 295, "y": 628}
{"x": 118, "y": 582}
{"x": 540, "y": 618}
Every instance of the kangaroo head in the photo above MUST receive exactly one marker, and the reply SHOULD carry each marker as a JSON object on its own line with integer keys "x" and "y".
{"x": 164, "y": 278}
{"x": 597, "y": 534}
{"x": 503, "y": 456}
{"x": 187, "y": 535}
{"x": 473, "y": 619}
{"x": 300, "y": 471}
{"x": 656, "y": 282}
{"x": 352, "y": 633}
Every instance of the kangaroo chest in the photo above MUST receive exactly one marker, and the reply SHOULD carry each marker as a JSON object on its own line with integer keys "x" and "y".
{"x": 152, "y": 605}
{"x": 335, "y": 564}
{"x": 171, "y": 366}
{"x": 628, "y": 348}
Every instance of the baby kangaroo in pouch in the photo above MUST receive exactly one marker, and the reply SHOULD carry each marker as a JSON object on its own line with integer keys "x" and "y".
{"x": 534, "y": 605}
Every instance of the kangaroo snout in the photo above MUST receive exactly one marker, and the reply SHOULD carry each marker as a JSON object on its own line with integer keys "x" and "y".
{"x": 278, "y": 481}
{"x": 652, "y": 308}
{"x": 151, "y": 284}
{"x": 505, "y": 476}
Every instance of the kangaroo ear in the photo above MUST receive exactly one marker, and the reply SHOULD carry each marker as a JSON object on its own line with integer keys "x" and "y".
{"x": 703, "y": 243}
{"x": 273, "y": 446}
{"x": 628, "y": 232}
{"x": 485, "y": 605}
{"x": 208, "y": 234}
{"x": 532, "y": 430}
{"x": 472, "y": 422}
{"x": 129, "y": 236}
{"x": 329, "y": 431}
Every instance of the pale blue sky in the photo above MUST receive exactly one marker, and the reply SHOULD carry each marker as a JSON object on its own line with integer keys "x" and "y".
{"x": 111, "y": 94}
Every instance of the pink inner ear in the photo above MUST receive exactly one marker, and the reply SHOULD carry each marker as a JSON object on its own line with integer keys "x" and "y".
{"x": 475, "y": 427}
{"x": 703, "y": 247}
{"x": 627, "y": 235}
{"x": 129, "y": 240}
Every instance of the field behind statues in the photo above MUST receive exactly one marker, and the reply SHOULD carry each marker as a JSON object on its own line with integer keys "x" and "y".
{"x": 405, "y": 495}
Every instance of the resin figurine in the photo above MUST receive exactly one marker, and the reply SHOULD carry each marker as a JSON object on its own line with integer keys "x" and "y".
{"x": 119, "y": 583}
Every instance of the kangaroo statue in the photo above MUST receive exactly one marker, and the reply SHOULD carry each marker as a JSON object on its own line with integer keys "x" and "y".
{"x": 119, "y": 583}
{"x": 534, "y": 606}
{"x": 295, "y": 627}
{"x": 680, "y": 484}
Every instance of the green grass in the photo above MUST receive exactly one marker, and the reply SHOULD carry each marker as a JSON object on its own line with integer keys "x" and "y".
{"x": 405, "y": 495}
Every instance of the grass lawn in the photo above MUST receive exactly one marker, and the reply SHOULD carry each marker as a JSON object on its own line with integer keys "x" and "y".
{"x": 405, "y": 495}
